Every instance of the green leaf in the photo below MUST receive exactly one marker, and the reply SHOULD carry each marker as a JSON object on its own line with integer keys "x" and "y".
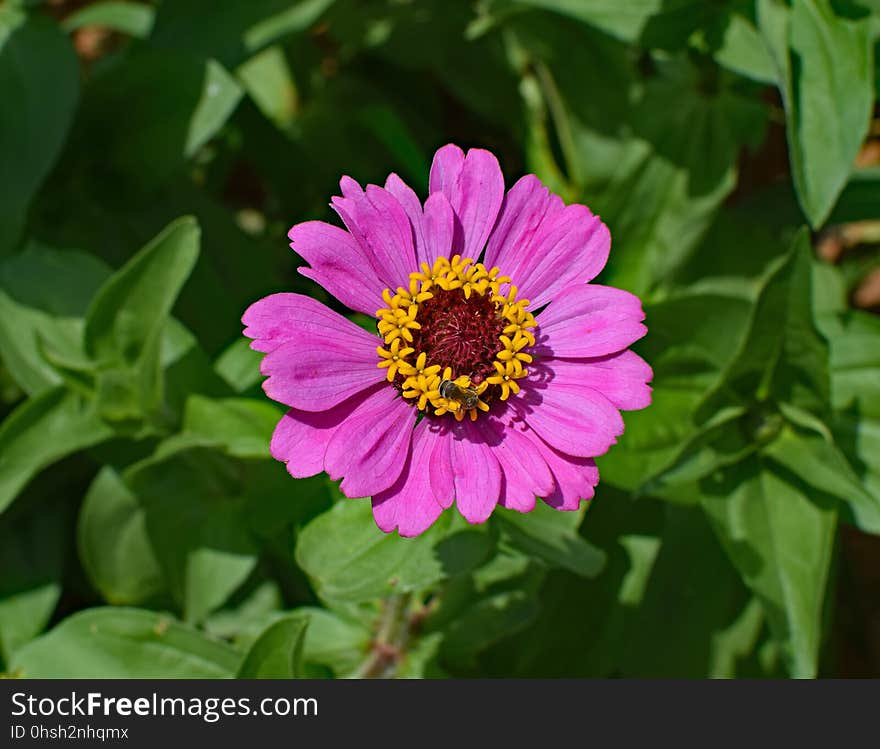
{"x": 691, "y": 574}
{"x": 132, "y": 306}
{"x": 239, "y": 366}
{"x": 194, "y": 501}
{"x": 220, "y": 96}
{"x": 721, "y": 442}
{"x": 114, "y": 544}
{"x": 121, "y": 643}
{"x": 825, "y": 68}
{"x": 41, "y": 431}
{"x": 277, "y": 653}
{"x": 488, "y": 619}
{"x": 782, "y": 357}
{"x": 743, "y": 50}
{"x": 552, "y": 537}
{"x": 269, "y": 82}
{"x": 292, "y": 19}
{"x": 625, "y": 19}
{"x": 134, "y": 19}
{"x": 34, "y": 56}
{"x": 349, "y": 559}
{"x": 855, "y": 381}
{"x": 781, "y": 541}
{"x": 126, "y": 320}
{"x": 688, "y": 347}
{"x": 32, "y": 550}
{"x": 334, "y": 641}
{"x": 812, "y": 455}
{"x": 654, "y": 158}
{"x": 243, "y": 426}
{"x": 44, "y": 295}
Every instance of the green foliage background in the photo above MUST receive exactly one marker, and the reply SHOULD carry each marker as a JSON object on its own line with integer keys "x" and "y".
{"x": 152, "y": 158}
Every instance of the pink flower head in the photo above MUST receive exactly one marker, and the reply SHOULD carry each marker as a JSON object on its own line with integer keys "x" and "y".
{"x": 498, "y": 372}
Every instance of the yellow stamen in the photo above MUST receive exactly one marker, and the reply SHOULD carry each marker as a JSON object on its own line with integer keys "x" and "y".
{"x": 421, "y": 383}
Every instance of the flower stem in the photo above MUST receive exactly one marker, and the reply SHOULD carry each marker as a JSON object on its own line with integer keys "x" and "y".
{"x": 392, "y": 636}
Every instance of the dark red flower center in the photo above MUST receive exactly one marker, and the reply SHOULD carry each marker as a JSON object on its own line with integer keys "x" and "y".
{"x": 460, "y": 333}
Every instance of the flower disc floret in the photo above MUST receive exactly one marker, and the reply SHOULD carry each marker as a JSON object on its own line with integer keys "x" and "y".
{"x": 460, "y": 323}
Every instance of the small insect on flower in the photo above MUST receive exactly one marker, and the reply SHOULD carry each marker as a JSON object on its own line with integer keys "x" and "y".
{"x": 497, "y": 371}
{"x": 466, "y": 397}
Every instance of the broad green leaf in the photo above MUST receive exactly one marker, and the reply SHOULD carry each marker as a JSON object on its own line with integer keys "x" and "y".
{"x": 243, "y": 426}
{"x": 220, "y": 96}
{"x": 825, "y": 70}
{"x": 194, "y": 500}
{"x": 855, "y": 383}
{"x": 277, "y": 653}
{"x": 32, "y": 550}
{"x": 625, "y": 19}
{"x": 487, "y": 620}
{"x": 41, "y": 431}
{"x": 781, "y": 542}
{"x": 123, "y": 643}
{"x": 688, "y": 346}
{"x": 294, "y": 18}
{"x": 582, "y": 624}
{"x": 812, "y": 456}
{"x": 722, "y": 441}
{"x": 34, "y": 56}
{"x": 132, "y": 306}
{"x": 655, "y": 159}
{"x": 132, "y": 18}
{"x": 241, "y": 621}
{"x": 334, "y": 641}
{"x": 239, "y": 366}
{"x": 269, "y": 82}
{"x": 44, "y": 295}
{"x": 690, "y": 574}
{"x": 126, "y": 319}
{"x": 782, "y": 357}
{"x": 552, "y": 537}
{"x": 114, "y": 545}
{"x": 349, "y": 559}
{"x": 238, "y": 32}
{"x": 738, "y": 642}
{"x": 743, "y": 50}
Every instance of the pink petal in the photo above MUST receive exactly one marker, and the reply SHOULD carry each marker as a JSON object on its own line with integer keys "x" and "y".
{"x": 622, "y": 378}
{"x": 370, "y": 448}
{"x": 572, "y": 418}
{"x": 379, "y": 223}
{"x": 411, "y": 204}
{"x": 522, "y": 212}
{"x": 588, "y": 320}
{"x": 316, "y": 358}
{"x": 439, "y": 223}
{"x": 432, "y": 228}
{"x": 440, "y": 463}
{"x": 525, "y": 473}
{"x": 475, "y": 471}
{"x": 474, "y": 186}
{"x": 339, "y": 264}
{"x": 409, "y": 504}
{"x": 575, "y": 478}
{"x": 445, "y": 169}
{"x": 300, "y": 440}
{"x": 570, "y": 246}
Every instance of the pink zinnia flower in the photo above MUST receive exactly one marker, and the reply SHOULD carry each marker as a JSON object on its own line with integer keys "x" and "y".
{"x": 498, "y": 371}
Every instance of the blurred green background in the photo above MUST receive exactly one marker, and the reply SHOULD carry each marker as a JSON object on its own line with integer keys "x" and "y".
{"x": 152, "y": 158}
